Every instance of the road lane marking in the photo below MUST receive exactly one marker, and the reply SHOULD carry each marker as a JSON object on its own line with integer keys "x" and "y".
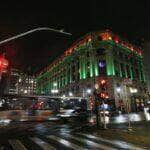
{"x": 17, "y": 145}
{"x": 90, "y": 143}
{"x": 42, "y": 144}
{"x": 121, "y": 144}
{"x": 65, "y": 142}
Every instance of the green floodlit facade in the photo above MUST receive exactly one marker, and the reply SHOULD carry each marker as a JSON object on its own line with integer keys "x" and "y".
{"x": 98, "y": 55}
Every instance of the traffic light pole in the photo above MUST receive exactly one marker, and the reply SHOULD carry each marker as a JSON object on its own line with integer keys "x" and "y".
{"x": 97, "y": 114}
{"x": 95, "y": 89}
{"x": 96, "y": 108}
{"x": 127, "y": 109}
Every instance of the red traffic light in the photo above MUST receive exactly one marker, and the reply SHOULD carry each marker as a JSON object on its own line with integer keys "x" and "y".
{"x": 3, "y": 63}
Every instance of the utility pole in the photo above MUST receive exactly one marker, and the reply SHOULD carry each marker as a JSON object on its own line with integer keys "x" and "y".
{"x": 96, "y": 105}
{"x": 96, "y": 86}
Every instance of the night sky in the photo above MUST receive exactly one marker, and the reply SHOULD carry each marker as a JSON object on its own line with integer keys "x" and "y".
{"x": 128, "y": 18}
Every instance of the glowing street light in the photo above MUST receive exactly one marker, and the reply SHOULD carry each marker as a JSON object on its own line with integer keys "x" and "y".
{"x": 55, "y": 84}
{"x": 27, "y": 33}
{"x": 118, "y": 89}
{"x": 31, "y": 31}
{"x": 89, "y": 91}
{"x": 70, "y": 94}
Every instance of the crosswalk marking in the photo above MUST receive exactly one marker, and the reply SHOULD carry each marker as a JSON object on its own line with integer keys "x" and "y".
{"x": 17, "y": 145}
{"x": 128, "y": 146}
{"x": 42, "y": 144}
{"x": 117, "y": 143}
{"x": 65, "y": 142}
{"x": 90, "y": 143}
{"x": 100, "y": 139}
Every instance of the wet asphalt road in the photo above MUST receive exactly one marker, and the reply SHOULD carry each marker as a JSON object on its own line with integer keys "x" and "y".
{"x": 54, "y": 136}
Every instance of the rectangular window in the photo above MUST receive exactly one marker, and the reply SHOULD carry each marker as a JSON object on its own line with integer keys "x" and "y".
{"x": 117, "y": 69}
{"x": 122, "y": 70}
{"x": 136, "y": 73}
{"x": 88, "y": 69}
{"x": 100, "y": 51}
{"x": 73, "y": 71}
{"x": 128, "y": 71}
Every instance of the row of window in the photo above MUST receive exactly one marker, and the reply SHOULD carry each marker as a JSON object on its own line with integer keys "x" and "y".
{"x": 130, "y": 58}
{"x": 129, "y": 71}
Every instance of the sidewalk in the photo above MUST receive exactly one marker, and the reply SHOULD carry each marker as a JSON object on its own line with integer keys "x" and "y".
{"x": 124, "y": 118}
{"x": 140, "y": 134}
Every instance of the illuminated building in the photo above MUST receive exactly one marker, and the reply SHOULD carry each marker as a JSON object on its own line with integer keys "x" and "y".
{"x": 12, "y": 81}
{"x": 26, "y": 84}
{"x": 147, "y": 77}
{"x": 20, "y": 83}
{"x": 96, "y": 58}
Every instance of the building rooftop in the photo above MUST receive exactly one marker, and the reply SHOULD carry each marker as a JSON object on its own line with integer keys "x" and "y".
{"x": 105, "y": 35}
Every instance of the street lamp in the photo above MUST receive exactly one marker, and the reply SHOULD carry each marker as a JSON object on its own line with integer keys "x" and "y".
{"x": 88, "y": 91}
{"x": 70, "y": 94}
{"x": 118, "y": 89}
{"x": 31, "y": 31}
{"x": 55, "y": 84}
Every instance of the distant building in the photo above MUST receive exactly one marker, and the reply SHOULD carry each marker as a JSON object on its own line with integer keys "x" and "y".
{"x": 20, "y": 83}
{"x": 13, "y": 77}
{"x": 147, "y": 77}
{"x": 26, "y": 85}
{"x": 102, "y": 59}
